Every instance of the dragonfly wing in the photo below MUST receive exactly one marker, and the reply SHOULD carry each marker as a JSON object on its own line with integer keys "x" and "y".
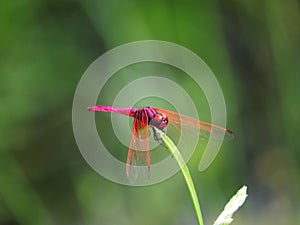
{"x": 192, "y": 125}
{"x": 138, "y": 153}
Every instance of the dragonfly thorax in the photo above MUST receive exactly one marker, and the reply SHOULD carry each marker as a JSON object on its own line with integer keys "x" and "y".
{"x": 158, "y": 120}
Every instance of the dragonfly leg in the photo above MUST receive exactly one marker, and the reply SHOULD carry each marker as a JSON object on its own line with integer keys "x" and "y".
{"x": 157, "y": 138}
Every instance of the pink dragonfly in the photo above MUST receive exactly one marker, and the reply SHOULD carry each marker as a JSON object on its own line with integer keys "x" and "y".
{"x": 138, "y": 153}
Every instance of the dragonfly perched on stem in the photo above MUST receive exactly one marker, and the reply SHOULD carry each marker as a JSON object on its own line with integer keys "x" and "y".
{"x": 138, "y": 153}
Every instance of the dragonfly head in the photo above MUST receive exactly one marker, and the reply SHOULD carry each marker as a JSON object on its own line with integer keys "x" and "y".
{"x": 159, "y": 121}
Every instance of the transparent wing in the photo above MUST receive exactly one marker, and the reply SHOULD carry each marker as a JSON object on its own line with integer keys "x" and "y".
{"x": 194, "y": 126}
{"x": 138, "y": 153}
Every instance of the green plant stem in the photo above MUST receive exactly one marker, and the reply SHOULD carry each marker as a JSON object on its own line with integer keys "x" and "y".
{"x": 185, "y": 171}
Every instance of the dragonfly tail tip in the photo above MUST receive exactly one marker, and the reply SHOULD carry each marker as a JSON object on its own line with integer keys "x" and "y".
{"x": 92, "y": 108}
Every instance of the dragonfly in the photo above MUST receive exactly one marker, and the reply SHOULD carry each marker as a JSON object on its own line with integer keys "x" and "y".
{"x": 150, "y": 117}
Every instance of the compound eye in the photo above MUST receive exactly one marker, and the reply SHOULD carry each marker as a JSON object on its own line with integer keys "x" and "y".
{"x": 163, "y": 122}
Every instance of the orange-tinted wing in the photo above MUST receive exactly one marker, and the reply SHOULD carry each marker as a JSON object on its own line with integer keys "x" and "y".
{"x": 138, "y": 153}
{"x": 192, "y": 125}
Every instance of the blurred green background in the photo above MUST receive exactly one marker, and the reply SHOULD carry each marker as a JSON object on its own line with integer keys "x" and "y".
{"x": 253, "y": 47}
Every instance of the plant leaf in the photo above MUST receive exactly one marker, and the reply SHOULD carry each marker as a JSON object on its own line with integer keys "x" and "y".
{"x": 232, "y": 206}
{"x": 185, "y": 171}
